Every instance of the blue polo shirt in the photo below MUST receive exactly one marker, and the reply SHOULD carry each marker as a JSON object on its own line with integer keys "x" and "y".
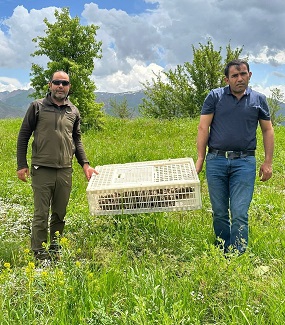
{"x": 235, "y": 121}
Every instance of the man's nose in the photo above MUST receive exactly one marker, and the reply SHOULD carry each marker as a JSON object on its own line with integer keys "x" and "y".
{"x": 240, "y": 76}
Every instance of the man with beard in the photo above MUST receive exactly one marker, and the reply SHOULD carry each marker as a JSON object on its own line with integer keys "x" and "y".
{"x": 55, "y": 124}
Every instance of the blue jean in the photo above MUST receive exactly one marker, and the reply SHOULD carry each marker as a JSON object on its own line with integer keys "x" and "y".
{"x": 231, "y": 186}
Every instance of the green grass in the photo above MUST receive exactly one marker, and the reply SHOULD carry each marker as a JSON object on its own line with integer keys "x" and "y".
{"x": 157, "y": 268}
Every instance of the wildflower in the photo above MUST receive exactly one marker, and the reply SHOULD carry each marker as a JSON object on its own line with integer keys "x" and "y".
{"x": 60, "y": 273}
{"x": 7, "y": 266}
{"x": 78, "y": 264}
{"x": 90, "y": 275}
{"x": 64, "y": 242}
{"x": 27, "y": 254}
{"x": 197, "y": 296}
{"x": 44, "y": 274}
{"x": 71, "y": 290}
{"x": 30, "y": 268}
{"x": 45, "y": 245}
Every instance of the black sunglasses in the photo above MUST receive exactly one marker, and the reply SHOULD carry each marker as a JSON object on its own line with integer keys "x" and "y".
{"x": 58, "y": 82}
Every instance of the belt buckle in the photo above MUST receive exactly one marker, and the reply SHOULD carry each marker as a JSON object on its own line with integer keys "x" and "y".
{"x": 228, "y": 154}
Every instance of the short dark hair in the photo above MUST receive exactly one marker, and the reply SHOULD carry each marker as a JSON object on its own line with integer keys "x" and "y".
{"x": 237, "y": 62}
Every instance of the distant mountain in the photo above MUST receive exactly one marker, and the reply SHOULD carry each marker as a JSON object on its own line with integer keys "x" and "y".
{"x": 7, "y": 111}
{"x": 133, "y": 99}
{"x": 15, "y": 103}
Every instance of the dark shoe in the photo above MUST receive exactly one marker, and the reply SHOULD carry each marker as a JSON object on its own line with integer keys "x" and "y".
{"x": 43, "y": 259}
{"x": 42, "y": 255}
{"x": 54, "y": 252}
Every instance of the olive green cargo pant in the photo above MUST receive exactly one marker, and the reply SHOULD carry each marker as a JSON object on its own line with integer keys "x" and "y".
{"x": 51, "y": 187}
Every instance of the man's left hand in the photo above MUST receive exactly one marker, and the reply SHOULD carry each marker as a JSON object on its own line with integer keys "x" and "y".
{"x": 265, "y": 172}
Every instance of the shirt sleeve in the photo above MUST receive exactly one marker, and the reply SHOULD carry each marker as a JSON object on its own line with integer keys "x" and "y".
{"x": 79, "y": 151}
{"x": 209, "y": 104}
{"x": 264, "y": 112}
{"x": 27, "y": 128}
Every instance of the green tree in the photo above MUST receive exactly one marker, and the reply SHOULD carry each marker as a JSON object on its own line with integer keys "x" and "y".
{"x": 72, "y": 48}
{"x": 207, "y": 69}
{"x": 169, "y": 99}
{"x": 274, "y": 101}
{"x": 121, "y": 109}
{"x": 185, "y": 88}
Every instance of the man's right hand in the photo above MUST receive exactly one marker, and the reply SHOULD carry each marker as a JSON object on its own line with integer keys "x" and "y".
{"x": 23, "y": 174}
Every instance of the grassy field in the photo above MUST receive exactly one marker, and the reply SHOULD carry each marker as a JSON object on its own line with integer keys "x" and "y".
{"x": 157, "y": 268}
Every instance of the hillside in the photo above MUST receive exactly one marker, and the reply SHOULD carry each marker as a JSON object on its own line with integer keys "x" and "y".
{"x": 8, "y": 111}
{"x": 15, "y": 103}
{"x": 153, "y": 268}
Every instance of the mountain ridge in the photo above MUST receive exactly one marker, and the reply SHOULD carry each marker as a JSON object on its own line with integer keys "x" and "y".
{"x": 15, "y": 103}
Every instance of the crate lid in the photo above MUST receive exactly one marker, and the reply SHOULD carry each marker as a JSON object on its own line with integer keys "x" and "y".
{"x": 143, "y": 174}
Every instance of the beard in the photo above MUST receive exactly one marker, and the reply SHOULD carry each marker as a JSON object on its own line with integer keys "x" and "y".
{"x": 59, "y": 95}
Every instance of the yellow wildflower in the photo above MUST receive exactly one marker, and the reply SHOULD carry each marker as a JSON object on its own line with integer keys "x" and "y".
{"x": 7, "y": 265}
{"x": 44, "y": 274}
{"x": 64, "y": 242}
{"x": 60, "y": 274}
{"x": 90, "y": 275}
{"x": 31, "y": 266}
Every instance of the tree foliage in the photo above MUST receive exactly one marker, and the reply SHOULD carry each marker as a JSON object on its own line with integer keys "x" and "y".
{"x": 185, "y": 88}
{"x": 274, "y": 102}
{"x": 121, "y": 109}
{"x": 72, "y": 48}
{"x": 169, "y": 99}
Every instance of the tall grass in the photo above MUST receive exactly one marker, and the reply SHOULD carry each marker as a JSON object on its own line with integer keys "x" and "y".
{"x": 157, "y": 268}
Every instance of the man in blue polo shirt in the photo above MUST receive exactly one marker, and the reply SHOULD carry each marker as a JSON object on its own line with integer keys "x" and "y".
{"x": 228, "y": 124}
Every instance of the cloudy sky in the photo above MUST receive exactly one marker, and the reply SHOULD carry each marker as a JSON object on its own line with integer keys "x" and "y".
{"x": 145, "y": 36}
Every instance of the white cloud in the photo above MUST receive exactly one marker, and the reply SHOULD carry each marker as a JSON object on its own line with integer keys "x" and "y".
{"x": 10, "y": 84}
{"x": 23, "y": 26}
{"x": 121, "y": 81}
{"x": 135, "y": 45}
{"x": 269, "y": 56}
{"x": 267, "y": 90}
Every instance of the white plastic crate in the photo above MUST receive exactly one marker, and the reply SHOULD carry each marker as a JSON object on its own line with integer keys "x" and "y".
{"x": 144, "y": 187}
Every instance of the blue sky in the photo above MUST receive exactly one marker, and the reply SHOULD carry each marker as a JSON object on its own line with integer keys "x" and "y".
{"x": 142, "y": 37}
{"x": 76, "y": 6}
